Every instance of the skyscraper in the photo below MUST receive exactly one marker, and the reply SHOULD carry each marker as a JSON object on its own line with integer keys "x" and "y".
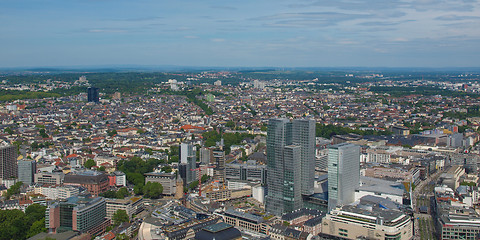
{"x": 343, "y": 173}
{"x": 26, "y": 171}
{"x": 219, "y": 160}
{"x": 290, "y": 163}
{"x": 92, "y": 94}
{"x": 188, "y": 158}
{"x": 304, "y": 136}
{"x": 8, "y": 162}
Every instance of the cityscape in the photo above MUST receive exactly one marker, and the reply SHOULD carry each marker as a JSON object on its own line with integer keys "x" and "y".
{"x": 240, "y": 155}
{"x": 252, "y": 120}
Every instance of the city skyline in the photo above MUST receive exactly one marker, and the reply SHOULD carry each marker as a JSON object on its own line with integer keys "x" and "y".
{"x": 424, "y": 33}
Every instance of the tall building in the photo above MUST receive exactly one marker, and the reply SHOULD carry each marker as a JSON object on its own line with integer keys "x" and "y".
{"x": 188, "y": 157}
{"x": 343, "y": 174}
{"x": 205, "y": 155}
{"x": 304, "y": 136}
{"x": 290, "y": 163}
{"x": 8, "y": 162}
{"x": 92, "y": 94}
{"x": 219, "y": 160}
{"x": 26, "y": 171}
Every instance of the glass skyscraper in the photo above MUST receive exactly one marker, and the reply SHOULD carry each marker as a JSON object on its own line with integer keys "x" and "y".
{"x": 92, "y": 94}
{"x": 343, "y": 173}
{"x": 290, "y": 163}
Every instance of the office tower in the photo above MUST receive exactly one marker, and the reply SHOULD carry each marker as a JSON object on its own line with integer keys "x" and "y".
{"x": 205, "y": 155}
{"x": 290, "y": 163}
{"x": 8, "y": 162}
{"x": 343, "y": 174}
{"x": 93, "y": 94}
{"x": 188, "y": 159}
{"x": 26, "y": 171}
{"x": 219, "y": 160}
{"x": 186, "y": 150}
{"x": 79, "y": 213}
{"x": 303, "y": 133}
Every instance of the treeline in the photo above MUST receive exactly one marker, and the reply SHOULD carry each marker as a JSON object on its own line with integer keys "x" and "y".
{"x": 15, "y": 224}
{"x": 473, "y": 111}
{"x": 191, "y": 95}
{"x": 422, "y": 90}
{"x": 229, "y": 139}
{"x": 11, "y": 95}
{"x": 135, "y": 169}
{"x": 327, "y": 131}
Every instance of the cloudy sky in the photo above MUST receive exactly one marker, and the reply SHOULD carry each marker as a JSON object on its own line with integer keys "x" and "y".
{"x": 247, "y": 33}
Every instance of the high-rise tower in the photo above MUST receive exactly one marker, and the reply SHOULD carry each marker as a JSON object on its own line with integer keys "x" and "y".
{"x": 290, "y": 163}
{"x": 343, "y": 173}
{"x": 92, "y": 94}
{"x": 8, "y": 162}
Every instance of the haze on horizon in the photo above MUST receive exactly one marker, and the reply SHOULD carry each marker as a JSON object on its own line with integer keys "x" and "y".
{"x": 280, "y": 33}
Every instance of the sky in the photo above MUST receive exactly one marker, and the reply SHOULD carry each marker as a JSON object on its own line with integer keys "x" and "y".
{"x": 247, "y": 33}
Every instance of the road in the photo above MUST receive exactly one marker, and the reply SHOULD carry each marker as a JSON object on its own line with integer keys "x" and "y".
{"x": 423, "y": 223}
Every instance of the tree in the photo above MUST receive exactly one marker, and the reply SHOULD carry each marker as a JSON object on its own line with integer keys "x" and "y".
{"x": 153, "y": 190}
{"x": 14, "y": 189}
{"x": 43, "y": 134}
{"x": 205, "y": 177}
{"x": 167, "y": 169}
{"x": 193, "y": 184}
{"x": 112, "y": 133}
{"x": 122, "y": 193}
{"x": 37, "y": 227}
{"x": 35, "y": 212}
{"x": 101, "y": 169}
{"x": 89, "y": 163}
{"x": 8, "y": 130}
{"x": 120, "y": 216}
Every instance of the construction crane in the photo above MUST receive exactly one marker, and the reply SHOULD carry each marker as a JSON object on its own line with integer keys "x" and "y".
{"x": 200, "y": 177}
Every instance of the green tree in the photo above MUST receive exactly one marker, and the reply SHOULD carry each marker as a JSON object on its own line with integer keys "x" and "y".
{"x": 8, "y": 130}
{"x": 120, "y": 216}
{"x": 153, "y": 190}
{"x": 112, "y": 133}
{"x": 167, "y": 169}
{"x": 122, "y": 193}
{"x": 193, "y": 184}
{"x": 37, "y": 227}
{"x": 43, "y": 134}
{"x": 35, "y": 212}
{"x": 205, "y": 177}
{"x": 89, "y": 163}
{"x": 13, "y": 190}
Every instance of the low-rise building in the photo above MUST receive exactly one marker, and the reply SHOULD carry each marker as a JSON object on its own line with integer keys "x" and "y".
{"x": 353, "y": 222}
{"x": 132, "y": 205}
{"x": 168, "y": 181}
{"x": 95, "y": 182}
{"x": 245, "y": 221}
{"x": 49, "y": 178}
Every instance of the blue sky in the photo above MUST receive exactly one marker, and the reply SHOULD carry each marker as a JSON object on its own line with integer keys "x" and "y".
{"x": 271, "y": 33}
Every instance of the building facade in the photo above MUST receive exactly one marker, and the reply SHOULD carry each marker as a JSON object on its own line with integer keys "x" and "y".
{"x": 53, "y": 178}
{"x": 168, "y": 181}
{"x": 343, "y": 174}
{"x": 290, "y": 163}
{"x": 26, "y": 171}
{"x": 82, "y": 214}
{"x": 95, "y": 182}
{"x": 350, "y": 222}
{"x": 131, "y": 205}
{"x": 92, "y": 94}
{"x": 8, "y": 162}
